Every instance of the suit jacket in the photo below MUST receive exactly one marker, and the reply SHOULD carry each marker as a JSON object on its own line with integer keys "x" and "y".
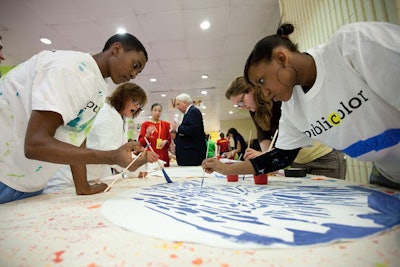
{"x": 190, "y": 139}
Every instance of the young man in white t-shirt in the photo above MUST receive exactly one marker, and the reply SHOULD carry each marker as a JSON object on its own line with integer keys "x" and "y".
{"x": 48, "y": 105}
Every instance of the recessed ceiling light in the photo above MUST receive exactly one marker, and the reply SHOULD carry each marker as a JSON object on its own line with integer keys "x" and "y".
{"x": 204, "y": 76}
{"x": 163, "y": 95}
{"x": 45, "y": 41}
{"x": 121, "y": 31}
{"x": 153, "y": 80}
{"x": 230, "y": 112}
{"x": 203, "y": 92}
{"x": 176, "y": 115}
{"x": 205, "y": 25}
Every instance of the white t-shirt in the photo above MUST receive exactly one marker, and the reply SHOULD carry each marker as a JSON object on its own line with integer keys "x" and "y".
{"x": 106, "y": 134}
{"x": 66, "y": 82}
{"x": 354, "y": 103}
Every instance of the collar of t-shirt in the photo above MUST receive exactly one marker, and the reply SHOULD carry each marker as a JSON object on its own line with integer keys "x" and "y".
{"x": 187, "y": 109}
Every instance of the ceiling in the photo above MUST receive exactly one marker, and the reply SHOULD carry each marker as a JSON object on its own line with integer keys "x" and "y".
{"x": 179, "y": 51}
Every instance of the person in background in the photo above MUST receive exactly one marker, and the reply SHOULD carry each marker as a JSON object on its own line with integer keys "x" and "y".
{"x": 239, "y": 147}
{"x": 172, "y": 147}
{"x": 189, "y": 141}
{"x": 211, "y": 146}
{"x": 334, "y": 94}
{"x": 48, "y": 106}
{"x": 157, "y": 133}
{"x": 223, "y": 144}
{"x": 107, "y": 133}
{"x": 318, "y": 159}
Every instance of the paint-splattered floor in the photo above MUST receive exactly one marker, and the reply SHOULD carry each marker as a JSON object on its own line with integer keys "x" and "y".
{"x": 63, "y": 229}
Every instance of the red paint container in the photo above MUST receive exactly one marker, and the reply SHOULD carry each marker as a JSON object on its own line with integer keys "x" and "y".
{"x": 232, "y": 177}
{"x": 261, "y": 179}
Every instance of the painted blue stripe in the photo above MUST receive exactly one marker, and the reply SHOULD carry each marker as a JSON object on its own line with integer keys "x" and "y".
{"x": 384, "y": 140}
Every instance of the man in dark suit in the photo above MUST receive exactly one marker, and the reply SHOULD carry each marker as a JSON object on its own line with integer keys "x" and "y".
{"x": 190, "y": 138}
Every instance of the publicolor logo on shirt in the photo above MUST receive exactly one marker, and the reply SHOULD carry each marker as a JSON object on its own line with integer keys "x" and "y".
{"x": 335, "y": 118}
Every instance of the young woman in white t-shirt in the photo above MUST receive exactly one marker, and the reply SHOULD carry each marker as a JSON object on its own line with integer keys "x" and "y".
{"x": 343, "y": 93}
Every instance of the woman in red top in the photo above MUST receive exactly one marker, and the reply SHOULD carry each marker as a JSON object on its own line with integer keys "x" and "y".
{"x": 223, "y": 144}
{"x": 157, "y": 133}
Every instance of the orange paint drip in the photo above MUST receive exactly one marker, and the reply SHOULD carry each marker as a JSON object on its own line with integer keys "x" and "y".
{"x": 318, "y": 178}
{"x": 198, "y": 261}
{"x": 94, "y": 206}
{"x": 58, "y": 254}
{"x": 173, "y": 256}
{"x": 93, "y": 265}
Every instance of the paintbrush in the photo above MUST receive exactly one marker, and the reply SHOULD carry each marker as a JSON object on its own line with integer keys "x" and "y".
{"x": 273, "y": 141}
{"x": 204, "y": 170}
{"x": 159, "y": 163}
{"x": 248, "y": 146}
{"x": 122, "y": 173}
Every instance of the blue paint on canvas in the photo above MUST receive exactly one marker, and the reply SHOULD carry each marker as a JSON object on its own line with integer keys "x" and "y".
{"x": 287, "y": 213}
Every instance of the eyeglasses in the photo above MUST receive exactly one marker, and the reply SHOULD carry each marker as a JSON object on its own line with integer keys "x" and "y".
{"x": 240, "y": 103}
{"x": 136, "y": 112}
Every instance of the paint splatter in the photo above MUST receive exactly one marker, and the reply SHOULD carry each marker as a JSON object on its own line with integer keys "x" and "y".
{"x": 58, "y": 254}
{"x": 198, "y": 261}
{"x": 318, "y": 178}
{"x": 174, "y": 245}
{"x": 38, "y": 168}
{"x": 94, "y": 206}
{"x": 6, "y": 153}
{"x": 82, "y": 66}
{"x": 16, "y": 175}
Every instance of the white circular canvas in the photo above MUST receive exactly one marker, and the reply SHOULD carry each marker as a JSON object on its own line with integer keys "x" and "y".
{"x": 285, "y": 213}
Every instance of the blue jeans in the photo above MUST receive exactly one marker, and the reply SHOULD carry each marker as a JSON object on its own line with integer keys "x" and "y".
{"x": 377, "y": 178}
{"x": 7, "y": 194}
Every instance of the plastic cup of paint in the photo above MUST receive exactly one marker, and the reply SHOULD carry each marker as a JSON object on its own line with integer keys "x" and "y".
{"x": 232, "y": 177}
{"x": 261, "y": 178}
